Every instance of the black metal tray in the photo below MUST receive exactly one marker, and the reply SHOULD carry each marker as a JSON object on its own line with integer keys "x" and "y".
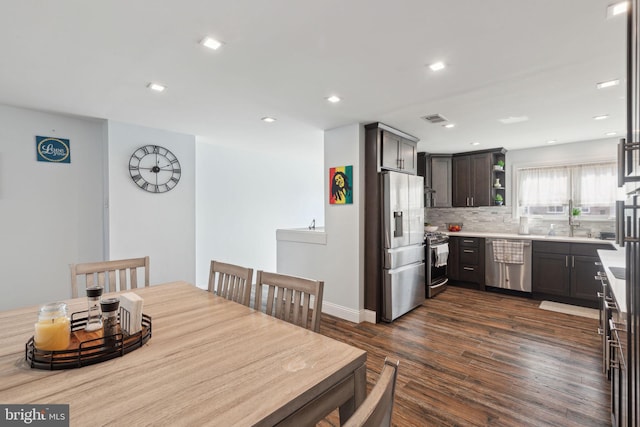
{"x": 87, "y": 348}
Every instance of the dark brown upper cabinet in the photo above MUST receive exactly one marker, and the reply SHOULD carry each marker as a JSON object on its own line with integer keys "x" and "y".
{"x": 472, "y": 175}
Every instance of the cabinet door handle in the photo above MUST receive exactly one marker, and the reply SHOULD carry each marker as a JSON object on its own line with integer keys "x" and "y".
{"x": 566, "y": 261}
{"x": 468, "y": 268}
{"x": 468, "y": 251}
{"x": 573, "y": 261}
{"x": 472, "y": 202}
{"x": 467, "y": 241}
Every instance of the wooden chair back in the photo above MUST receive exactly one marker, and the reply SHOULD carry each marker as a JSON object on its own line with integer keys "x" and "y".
{"x": 230, "y": 281}
{"x": 117, "y": 275}
{"x": 290, "y": 298}
{"x": 377, "y": 408}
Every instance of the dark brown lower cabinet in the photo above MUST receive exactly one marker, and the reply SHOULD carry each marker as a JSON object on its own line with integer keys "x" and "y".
{"x": 466, "y": 261}
{"x": 565, "y": 272}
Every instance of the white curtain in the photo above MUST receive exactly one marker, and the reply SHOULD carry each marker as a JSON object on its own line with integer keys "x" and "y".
{"x": 587, "y": 185}
{"x": 543, "y": 186}
{"x": 594, "y": 185}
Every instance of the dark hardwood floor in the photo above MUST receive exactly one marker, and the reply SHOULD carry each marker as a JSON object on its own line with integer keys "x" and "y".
{"x": 472, "y": 358}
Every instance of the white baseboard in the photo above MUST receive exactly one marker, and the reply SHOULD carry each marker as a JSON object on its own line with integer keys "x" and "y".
{"x": 369, "y": 316}
{"x": 349, "y": 314}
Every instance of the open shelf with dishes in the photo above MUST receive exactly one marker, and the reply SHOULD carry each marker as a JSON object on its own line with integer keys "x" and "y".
{"x": 498, "y": 183}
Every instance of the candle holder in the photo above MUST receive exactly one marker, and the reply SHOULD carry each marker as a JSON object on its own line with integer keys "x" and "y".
{"x": 53, "y": 328}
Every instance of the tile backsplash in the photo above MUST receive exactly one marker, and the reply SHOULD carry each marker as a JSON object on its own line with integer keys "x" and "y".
{"x": 499, "y": 219}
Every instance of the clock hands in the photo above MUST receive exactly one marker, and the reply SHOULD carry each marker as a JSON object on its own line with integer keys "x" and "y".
{"x": 154, "y": 159}
{"x": 156, "y": 169}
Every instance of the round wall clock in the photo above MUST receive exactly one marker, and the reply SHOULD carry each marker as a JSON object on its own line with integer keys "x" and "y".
{"x": 154, "y": 169}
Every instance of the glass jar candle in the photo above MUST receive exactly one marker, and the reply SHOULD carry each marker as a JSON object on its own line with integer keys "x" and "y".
{"x": 53, "y": 330}
{"x": 94, "y": 313}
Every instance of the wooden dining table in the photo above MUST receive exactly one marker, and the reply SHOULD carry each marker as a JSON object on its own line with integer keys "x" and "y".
{"x": 209, "y": 361}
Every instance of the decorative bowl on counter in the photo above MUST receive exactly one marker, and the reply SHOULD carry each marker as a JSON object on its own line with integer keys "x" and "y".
{"x": 430, "y": 228}
{"x": 454, "y": 226}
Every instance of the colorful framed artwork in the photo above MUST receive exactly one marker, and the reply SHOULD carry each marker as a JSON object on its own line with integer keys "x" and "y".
{"x": 341, "y": 185}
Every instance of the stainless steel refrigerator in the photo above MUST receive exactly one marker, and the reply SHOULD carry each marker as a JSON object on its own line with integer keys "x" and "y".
{"x": 403, "y": 285}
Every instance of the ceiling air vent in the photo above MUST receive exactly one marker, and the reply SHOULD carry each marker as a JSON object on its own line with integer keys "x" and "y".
{"x": 435, "y": 118}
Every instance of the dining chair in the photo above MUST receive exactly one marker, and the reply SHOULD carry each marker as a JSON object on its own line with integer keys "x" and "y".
{"x": 230, "y": 281}
{"x": 377, "y": 407}
{"x": 290, "y": 298}
{"x": 116, "y": 275}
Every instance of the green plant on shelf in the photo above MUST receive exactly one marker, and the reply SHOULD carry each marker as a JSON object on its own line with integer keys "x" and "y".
{"x": 498, "y": 199}
{"x": 500, "y": 163}
{"x": 575, "y": 211}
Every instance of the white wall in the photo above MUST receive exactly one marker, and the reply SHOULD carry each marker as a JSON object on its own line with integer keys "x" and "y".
{"x": 142, "y": 223}
{"x": 344, "y": 224}
{"x": 338, "y": 260}
{"x": 50, "y": 213}
{"x": 244, "y": 196}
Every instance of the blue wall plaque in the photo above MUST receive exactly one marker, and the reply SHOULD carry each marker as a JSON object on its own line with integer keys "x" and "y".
{"x": 55, "y": 150}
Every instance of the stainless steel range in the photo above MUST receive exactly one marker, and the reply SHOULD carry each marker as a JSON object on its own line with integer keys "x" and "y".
{"x": 436, "y": 257}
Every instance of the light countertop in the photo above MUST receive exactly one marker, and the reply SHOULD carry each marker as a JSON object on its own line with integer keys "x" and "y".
{"x": 580, "y": 239}
{"x": 615, "y": 258}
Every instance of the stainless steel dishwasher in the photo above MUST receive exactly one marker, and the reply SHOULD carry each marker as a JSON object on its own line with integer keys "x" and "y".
{"x": 506, "y": 275}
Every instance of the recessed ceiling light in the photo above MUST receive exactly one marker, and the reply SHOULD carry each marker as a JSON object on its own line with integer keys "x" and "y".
{"x": 449, "y": 125}
{"x": 268, "y": 119}
{"x": 475, "y": 143}
{"x": 437, "y": 66}
{"x": 211, "y": 43}
{"x": 157, "y": 87}
{"x": 511, "y": 119}
{"x": 601, "y": 117}
{"x": 611, "y": 133}
{"x": 333, "y": 99}
{"x": 617, "y": 8}
{"x": 552, "y": 141}
{"x": 608, "y": 83}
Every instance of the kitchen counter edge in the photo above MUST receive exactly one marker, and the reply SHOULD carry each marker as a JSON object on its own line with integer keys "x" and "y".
{"x": 541, "y": 237}
{"x": 618, "y": 287}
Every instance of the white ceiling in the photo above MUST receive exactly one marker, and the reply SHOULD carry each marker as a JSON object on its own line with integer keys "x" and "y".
{"x": 282, "y": 58}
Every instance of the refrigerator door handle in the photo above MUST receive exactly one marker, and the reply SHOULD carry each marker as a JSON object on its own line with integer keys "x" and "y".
{"x": 397, "y": 219}
{"x": 621, "y": 163}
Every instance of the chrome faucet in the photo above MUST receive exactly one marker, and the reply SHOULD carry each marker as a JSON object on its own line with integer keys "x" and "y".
{"x": 573, "y": 224}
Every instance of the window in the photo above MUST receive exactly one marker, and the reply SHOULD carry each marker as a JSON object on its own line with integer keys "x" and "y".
{"x": 546, "y": 191}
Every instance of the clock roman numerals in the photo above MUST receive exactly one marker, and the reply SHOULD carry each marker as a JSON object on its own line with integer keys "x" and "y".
{"x": 154, "y": 169}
